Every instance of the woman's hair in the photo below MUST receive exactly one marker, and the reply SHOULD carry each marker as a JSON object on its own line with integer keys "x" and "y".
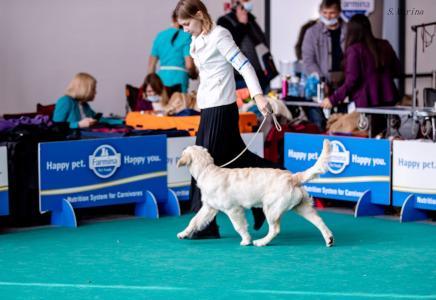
{"x": 330, "y": 4}
{"x": 176, "y": 34}
{"x": 359, "y": 31}
{"x": 299, "y": 44}
{"x": 174, "y": 16}
{"x": 156, "y": 84}
{"x": 188, "y": 9}
{"x": 82, "y": 87}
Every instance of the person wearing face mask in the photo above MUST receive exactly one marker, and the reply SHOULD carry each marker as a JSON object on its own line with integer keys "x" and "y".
{"x": 154, "y": 95}
{"x": 171, "y": 50}
{"x": 323, "y": 45}
{"x": 216, "y": 55}
{"x": 247, "y": 34}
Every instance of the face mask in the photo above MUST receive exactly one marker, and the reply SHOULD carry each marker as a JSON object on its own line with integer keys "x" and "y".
{"x": 248, "y": 6}
{"x": 328, "y": 22}
{"x": 154, "y": 98}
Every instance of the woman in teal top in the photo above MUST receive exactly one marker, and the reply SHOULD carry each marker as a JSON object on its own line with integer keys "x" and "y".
{"x": 171, "y": 49}
{"x": 73, "y": 107}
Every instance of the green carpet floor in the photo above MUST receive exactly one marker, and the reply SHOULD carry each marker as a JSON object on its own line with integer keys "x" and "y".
{"x": 143, "y": 259}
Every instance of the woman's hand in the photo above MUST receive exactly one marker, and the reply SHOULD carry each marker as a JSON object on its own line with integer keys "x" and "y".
{"x": 263, "y": 105}
{"x": 87, "y": 122}
{"x": 326, "y": 103}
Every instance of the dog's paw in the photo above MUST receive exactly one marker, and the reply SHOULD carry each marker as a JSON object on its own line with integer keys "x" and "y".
{"x": 260, "y": 243}
{"x": 245, "y": 242}
{"x": 330, "y": 241}
{"x": 182, "y": 235}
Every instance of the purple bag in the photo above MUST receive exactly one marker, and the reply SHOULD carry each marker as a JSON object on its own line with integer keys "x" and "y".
{"x": 37, "y": 120}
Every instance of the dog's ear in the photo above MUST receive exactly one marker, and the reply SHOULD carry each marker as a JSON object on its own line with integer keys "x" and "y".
{"x": 185, "y": 160}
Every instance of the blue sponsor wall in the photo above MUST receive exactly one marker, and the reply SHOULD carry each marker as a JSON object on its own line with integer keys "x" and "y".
{"x": 4, "y": 201}
{"x": 102, "y": 171}
{"x": 4, "y": 182}
{"x": 356, "y": 165}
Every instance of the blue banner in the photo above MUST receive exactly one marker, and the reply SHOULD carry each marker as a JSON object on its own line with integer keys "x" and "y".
{"x": 101, "y": 172}
{"x": 4, "y": 182}
{"x": 356, "y": 165}
{"x": 182, "y": 192}
{"x": 4, "y": 201}
{"x": 353, "y": 7}
{"x": 423, "y": 201}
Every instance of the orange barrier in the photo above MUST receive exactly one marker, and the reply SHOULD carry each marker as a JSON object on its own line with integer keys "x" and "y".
{"x": 138, "y": 120}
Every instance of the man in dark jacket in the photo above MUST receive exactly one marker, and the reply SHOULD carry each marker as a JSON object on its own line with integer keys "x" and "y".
{"x": 247, "y": 35}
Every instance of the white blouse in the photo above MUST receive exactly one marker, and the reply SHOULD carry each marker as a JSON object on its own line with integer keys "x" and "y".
{"x": 215, "y": 54}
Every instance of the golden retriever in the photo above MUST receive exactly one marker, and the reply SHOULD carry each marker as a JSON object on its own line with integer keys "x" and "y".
{"x": 233, "y": 190}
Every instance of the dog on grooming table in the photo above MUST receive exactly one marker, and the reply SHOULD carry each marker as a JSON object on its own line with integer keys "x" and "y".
{"x": 233, "y": 190}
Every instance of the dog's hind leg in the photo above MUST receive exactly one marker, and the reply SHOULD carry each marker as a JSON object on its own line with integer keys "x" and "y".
{"x": 237, "y": 217}
{"x": 273, "y": 227}
{"x": 305, "y": 210}
{"x": 204, "y": 216}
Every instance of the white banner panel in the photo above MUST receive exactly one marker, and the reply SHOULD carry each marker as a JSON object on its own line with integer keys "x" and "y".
{"x": 179, "y": 179}
{"x": 3, "y": 167}
{"x": 4, "y": 189}
{"x": 414, "y": 172}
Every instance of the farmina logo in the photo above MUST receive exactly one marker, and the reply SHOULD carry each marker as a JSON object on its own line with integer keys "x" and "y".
{"x": 104, "y": 161}
{"x": 339, "y": 157}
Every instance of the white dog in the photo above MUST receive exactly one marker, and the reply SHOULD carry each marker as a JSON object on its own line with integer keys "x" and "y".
{"x": 233, "y": 190}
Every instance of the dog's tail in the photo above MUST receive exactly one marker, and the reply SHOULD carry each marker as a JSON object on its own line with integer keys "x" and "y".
{"x": 320, "y": 167}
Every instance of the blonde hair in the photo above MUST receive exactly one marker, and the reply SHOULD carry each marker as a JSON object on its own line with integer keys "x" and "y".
{"x": 82, "y": 87}
{"x": 188, "y": 9}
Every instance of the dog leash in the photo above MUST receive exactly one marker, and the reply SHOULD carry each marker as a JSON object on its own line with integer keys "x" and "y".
{"x": 276, "y": 124}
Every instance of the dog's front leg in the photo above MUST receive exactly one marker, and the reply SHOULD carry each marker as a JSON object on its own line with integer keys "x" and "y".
{"x": 204, "y": 216}
{"x": 237, "y": 216}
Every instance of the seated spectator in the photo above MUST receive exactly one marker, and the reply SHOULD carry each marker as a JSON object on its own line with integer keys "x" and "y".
{"x": 73, "y": 107}
{"x": 370, "y": 67}
{"x": 154, "y": 95}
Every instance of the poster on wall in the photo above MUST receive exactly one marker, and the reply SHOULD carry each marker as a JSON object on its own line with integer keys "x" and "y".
{"x": 179, "y": 179}
{"x": 355, "y": 166}
{"x": 414, "y": 172}
{"x": 101, "y": 172}
{"x": 353, "y": 7}
{"x": 4, "y": 186}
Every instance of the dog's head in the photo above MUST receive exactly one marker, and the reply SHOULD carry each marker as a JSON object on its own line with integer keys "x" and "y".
{"x": 197, "y": 154}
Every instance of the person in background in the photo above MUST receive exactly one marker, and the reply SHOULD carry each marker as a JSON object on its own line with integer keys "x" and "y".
{"x": 247, "y": 34}
{"x": 73, "y": 107}
{"x": 216, "y": 55}
{"x": 370, "y": 68}
{"x": 298, "y": 65}
{"x": 314, "y": 114}
{"x": 154, "y": 95}
{"x": 171, "y": 49}
{"x": 323, "y": 45}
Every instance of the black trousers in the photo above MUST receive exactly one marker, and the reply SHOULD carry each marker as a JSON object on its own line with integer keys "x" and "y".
{"x": 219, "y": 133}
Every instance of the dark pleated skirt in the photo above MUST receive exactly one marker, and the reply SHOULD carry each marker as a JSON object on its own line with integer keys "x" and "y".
{"x": 219, "y": 133}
